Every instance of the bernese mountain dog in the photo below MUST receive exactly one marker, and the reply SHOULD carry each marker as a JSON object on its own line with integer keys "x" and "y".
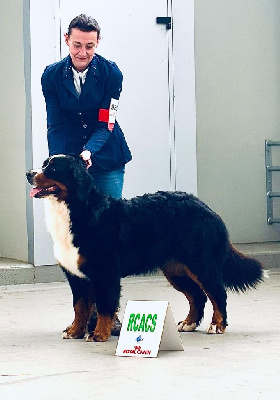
{"x": 98, "y": 240}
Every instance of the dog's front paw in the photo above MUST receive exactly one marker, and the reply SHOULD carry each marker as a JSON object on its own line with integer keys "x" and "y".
{"x": 97, "y": 337}
{"x": 103, "y": 329}
{"x": 183, "y": 326}
{"x": 216, "y": 328}
{"x": 73, "y": 333}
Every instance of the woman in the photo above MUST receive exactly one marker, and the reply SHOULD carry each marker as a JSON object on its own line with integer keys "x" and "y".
{"x": 81, "y": 94}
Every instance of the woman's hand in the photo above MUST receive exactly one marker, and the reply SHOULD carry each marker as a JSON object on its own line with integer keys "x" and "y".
{"x": 86, "y": 156}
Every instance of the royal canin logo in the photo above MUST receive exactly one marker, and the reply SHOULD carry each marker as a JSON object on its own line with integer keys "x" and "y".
{"x": 137, "y": 350}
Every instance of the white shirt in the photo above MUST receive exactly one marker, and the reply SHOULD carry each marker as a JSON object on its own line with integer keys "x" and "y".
{"x": 78, "y": 77}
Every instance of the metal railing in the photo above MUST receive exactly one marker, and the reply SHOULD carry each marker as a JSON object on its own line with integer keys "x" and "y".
{"x": 270, "y": 194}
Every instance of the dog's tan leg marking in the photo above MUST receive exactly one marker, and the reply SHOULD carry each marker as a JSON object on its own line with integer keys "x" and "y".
{"x": 216, "y": 326}
{"x": 103, "y": 329}
{"x": 83, "y": 309}
{"x": 82, "y": 314}
{"x": 189, "y": 324}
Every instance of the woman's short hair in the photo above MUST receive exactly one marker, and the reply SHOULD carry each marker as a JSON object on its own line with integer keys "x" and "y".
{"x": 85, "y": 23}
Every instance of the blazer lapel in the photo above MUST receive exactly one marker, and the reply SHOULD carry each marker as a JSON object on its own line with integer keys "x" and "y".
{"x": 68, "y": 80}
{"x": 90, "y": 82}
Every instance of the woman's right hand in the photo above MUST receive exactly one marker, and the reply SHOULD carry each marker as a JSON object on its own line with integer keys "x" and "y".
{"x": 86, "y": 156}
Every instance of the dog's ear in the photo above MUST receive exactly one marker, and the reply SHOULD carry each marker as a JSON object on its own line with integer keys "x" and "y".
{"x": 81, "y": 181}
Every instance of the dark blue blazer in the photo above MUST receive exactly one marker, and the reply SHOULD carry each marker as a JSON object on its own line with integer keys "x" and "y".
{"x": 72, "y": 120}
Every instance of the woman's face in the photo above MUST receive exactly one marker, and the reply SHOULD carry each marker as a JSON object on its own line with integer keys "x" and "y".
{"x": 82, "y": 46}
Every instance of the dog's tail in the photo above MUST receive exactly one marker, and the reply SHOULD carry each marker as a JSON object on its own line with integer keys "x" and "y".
{"x": 242, "y": 272}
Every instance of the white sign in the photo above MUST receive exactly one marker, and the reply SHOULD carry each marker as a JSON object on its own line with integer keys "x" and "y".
{"x": 147, "y": 327}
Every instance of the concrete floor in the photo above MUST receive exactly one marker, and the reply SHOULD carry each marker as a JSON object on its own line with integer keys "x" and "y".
{"x": 36, "y": 363}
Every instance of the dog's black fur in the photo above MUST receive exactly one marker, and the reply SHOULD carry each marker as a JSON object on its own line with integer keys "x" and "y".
{"x": 171, "y": 231}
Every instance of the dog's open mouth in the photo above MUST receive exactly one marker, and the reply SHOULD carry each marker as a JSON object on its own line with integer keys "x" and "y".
{"x": 42, "y": 192}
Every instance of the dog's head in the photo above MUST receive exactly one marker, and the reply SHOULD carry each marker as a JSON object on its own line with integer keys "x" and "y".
{"x": 58, "y": 175}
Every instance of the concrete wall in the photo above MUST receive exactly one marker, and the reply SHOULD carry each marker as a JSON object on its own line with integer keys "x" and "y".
{"x": 13, "y": 229}
{"x": 237, "y": 56}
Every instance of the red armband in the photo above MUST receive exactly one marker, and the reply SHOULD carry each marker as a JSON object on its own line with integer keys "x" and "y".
{"x": 103, "y": 115}
{"x": 109, "y": 116}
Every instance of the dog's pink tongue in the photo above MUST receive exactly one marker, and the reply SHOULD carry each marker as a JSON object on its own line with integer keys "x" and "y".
{"x": 34, "y": 191}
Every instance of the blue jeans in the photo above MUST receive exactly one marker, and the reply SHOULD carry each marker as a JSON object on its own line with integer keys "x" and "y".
{"x": 109, "y": 183}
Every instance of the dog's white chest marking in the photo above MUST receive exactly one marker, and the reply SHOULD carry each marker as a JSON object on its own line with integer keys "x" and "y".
{"x": 59, "y": 224}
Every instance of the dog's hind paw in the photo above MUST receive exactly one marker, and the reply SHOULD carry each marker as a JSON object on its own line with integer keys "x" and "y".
{"x": 184, "y": 327}
{"x": 213, "y": 329}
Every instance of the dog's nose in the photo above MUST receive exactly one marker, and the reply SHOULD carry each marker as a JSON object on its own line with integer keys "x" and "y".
{"x": 30, "y": 176}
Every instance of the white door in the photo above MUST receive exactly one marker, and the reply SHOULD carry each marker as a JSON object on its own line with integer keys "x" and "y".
{"x": 131, "y": 37}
